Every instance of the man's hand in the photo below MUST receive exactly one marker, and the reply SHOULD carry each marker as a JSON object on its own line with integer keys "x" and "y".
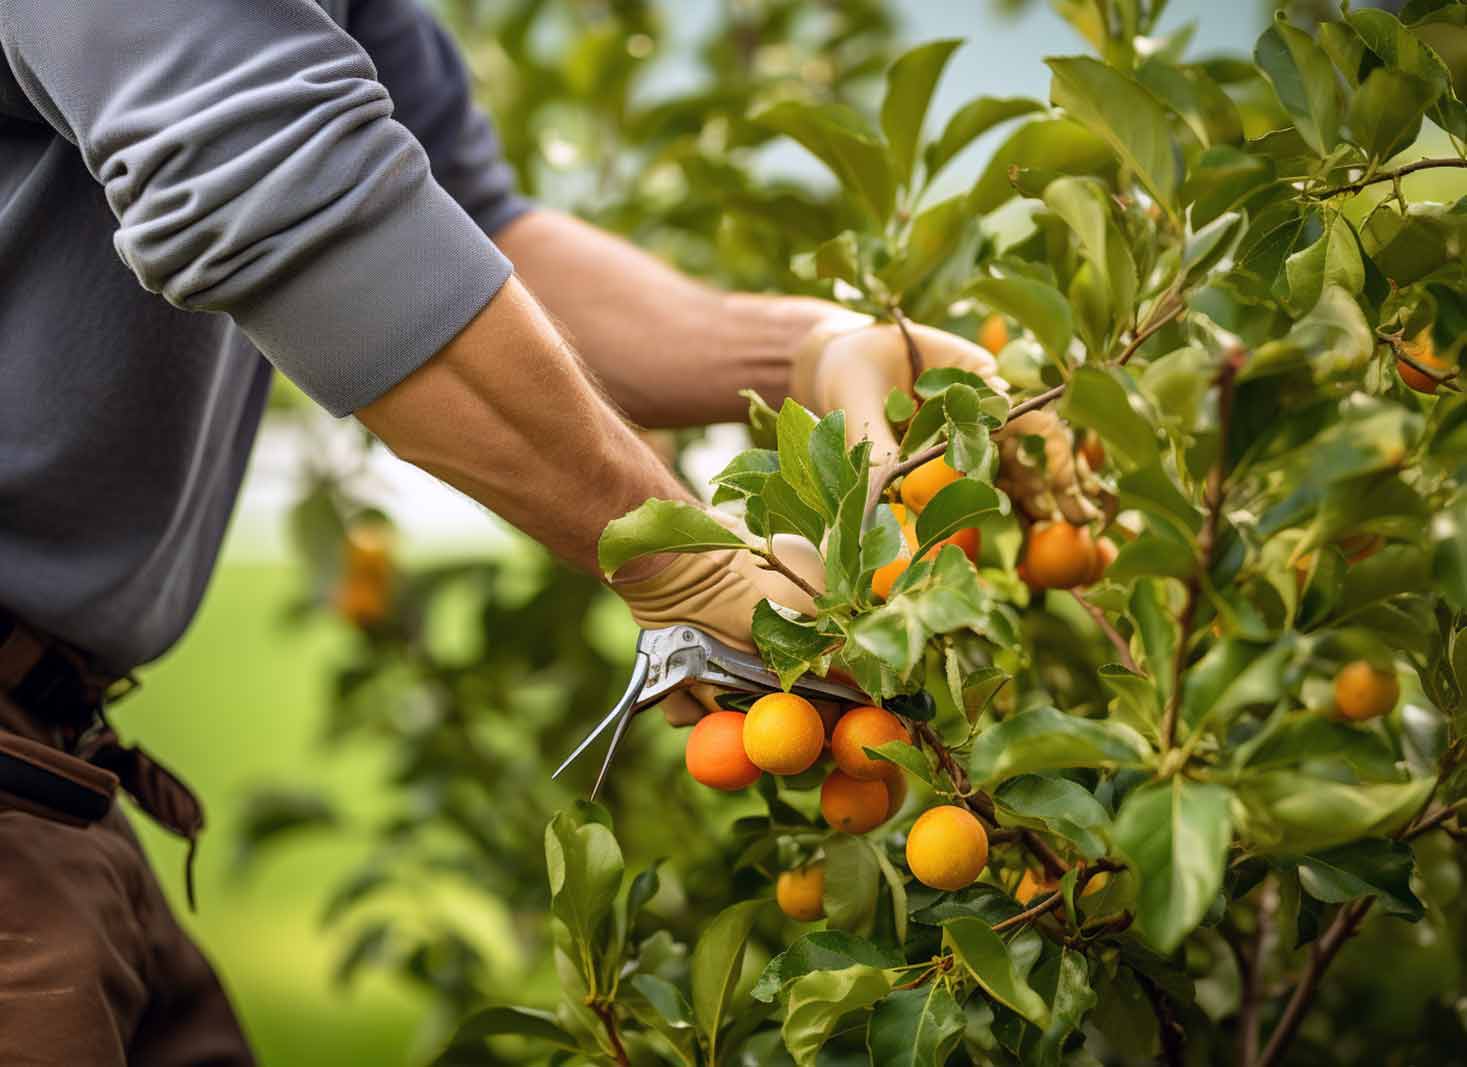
{"x": 717, "y": 592}
{"x": 852, "y": 364}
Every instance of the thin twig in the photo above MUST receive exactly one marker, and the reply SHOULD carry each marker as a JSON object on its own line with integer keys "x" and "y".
{"x": 608, "y": 1020}
{"x": 1122, "y": 646}
{"x": 1388, "y": 176}
{"x": 1440, "y": 375}
{"x": 771, "y": 562}
{"x": 1233, "y": 361}
{"x": 1172, "y": 308}
{"x": 1173, "y": 1037}
{"x": 914, "y": 355}
{"x": 1055, "y": 899}
{"x": 1346, "y": 921}
{"x": 1250, "y": 954}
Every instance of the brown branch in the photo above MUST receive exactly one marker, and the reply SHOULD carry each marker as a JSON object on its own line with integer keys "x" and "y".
{"x": 1172, "y": 308}
{"x": 1388, "y": 176}
{"x": 1055, "y": 899}
{"x": 914, "y": 355}
{"x": 1173, "y": 1036}
{"x": 608, "y": 1020}
{"x": 771, "y": 562}
{"x": 1436, "y": 374}
{"x": 1250, "y": 955}
{"x": 1122, "y": 646}
{"x": 1428, "y": 822}
{"x": 1233, "y": 361}
{"x": 1345, "y": 923}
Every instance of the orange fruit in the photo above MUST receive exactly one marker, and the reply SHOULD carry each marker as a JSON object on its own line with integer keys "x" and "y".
{"x": 1035, "y": 886}
{"x": 947, "y": 848}
{"x": 1363, "y": 692}
{"x": 783, "y": 734}
{"x": 886, "y": 577}
{"x": 1093, "y": 449}
{"x": 363, "y": 595}
{"x": 361, "y": 599}
{"x": 896, "y": 790}
{"x": 922, "y": 484}
{"x": 1058, "y": 555}
{"x": 1422, "y": 349}
{"x": 854, "y": 805}
{"x": 1105, "y": 554}
{"x": 801, "y": 893}
{"x": 993, "y": 334}
{"x": 862, "y": 728}
{"x": 715, "y": 753}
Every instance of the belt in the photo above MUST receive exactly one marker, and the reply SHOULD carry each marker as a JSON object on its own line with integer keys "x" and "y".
{"x": 60, "y": 687}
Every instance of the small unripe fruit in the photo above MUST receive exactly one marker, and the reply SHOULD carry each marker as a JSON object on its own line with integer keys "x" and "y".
{"x": 783, "y": 734}
{"x": 924, "y": 483}
{"x": 1058, "y": 556}
{"x": 993, "y": 334}
{"x": 853, "y": 805}
{"x": 801, "y": 893}
{"x": 947, "y": 848}
{"x": 715, "y": 753}
{"x": 1362, "y": 692}
{"x": 860, "y": 729}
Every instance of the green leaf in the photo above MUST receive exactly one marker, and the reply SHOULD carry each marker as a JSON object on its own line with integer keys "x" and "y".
{"x": 717, "y": 962}
{"x": 1176, "y": 836}
{"x": 747, "y": 472}
{"x": 968, "y": 444}
{"x": 839, "y": 257}
{"x": 1374, "y": 866}
{"x": 512, "y": 1021}
{"x": 585, "y": 867}
{"x": 1124, "y": 115}
{"x": 1045, "y": 739}
{"x": 1058, "y": 805}
{"x": 909, "y": 86}
{"x": 1207, "y": 246}
{"x": 1304, "y": 81}
{"x": 661, "y": 526}
{"x": 1314, "y": 736}
{"x": 904, "y": 755}
{"x": 1233, "y": 675}
{"x": 819, "y": 1000}
{"x": 1102, "y": 399}
{"x": 1293, "y": 812}
{"x": 1333, "y": 260}
{"x": 852, "y": 882}
{"x": 820, "y": 950}
{"x": 1386, "y": 112}
{"x": 1040, "y": 308}
{"x": 1332, "y": 340}
{"x": 1084, "y": 204}
{"x": 1403, "y": 50}
{"x": 790, "y": 648}
{"x": 784, "y": 510}
{"x": 1073, "y": 998}
{"x": 934, "y": 234}
{"x": 900, "y": 406}
{"x": 986, "y": 958}
{"x": 841, "y": 139}
{"x": 915, "y": 1027}
{"x": 956, "y": 506}
{"x": 1151, "y": 555}
{"x": 1152, "y": 490}
{"x": 660, "y": 1005}
{"x": 796, "y": 428}
{"x": 1449, "y": 550}
{"x": 1053, "y": 144}
{"x": 970, "y": 122}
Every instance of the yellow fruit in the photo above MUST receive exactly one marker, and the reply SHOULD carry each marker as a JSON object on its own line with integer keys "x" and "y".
{"x": 1035, "y": 886}
{"x": 783, "y": 734}
{"x": 853, "y": 805}
{"x": 993, "y": 334}
{"x": 1362, "y": 692}
{"x": 715, "y": 753}
{"x": 947, "y": 848}
{"x": 922, "y": 484}
{"x": 860, "y": 729}
{"x": 1422, "y": 349}
{"x": 363, "y": 595}
{"x": 886, "y": 577}
{"x": 801, "y": 893}
{"x": 1058, "y": 556}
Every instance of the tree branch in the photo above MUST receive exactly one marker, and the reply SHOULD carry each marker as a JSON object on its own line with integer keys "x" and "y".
{"x": 1389, "y": 176}
{"x": 1345, "y": 923}
{"x": 1173, "y": 307}
{"x": 608, "y": 1020}
{"x": 771, "y": 562}
{"x": 1122, "y": 646}
{"x": 914, "y": 354}
{"x": 1173, "y": 1037}
{"x": 1250, "y": 954}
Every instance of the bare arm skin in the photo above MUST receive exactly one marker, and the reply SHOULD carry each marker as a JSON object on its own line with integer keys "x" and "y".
{"x": 506, "y": 414}
{"x": 670, "y": 351}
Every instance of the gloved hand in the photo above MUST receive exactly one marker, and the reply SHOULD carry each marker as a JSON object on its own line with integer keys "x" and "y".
{"x": 717, "y": 592}
{"x": 851, "y": 363}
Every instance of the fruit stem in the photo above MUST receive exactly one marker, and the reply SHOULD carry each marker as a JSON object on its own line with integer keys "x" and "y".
{"x": 608, "y": 1019}
{"x": 914, "y": 354}
{"x": 1122, "y": 647}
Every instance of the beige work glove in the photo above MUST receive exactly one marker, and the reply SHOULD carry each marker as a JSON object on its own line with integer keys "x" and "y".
{"x": 850, "y": 363}
{"x": 717, "y": 592}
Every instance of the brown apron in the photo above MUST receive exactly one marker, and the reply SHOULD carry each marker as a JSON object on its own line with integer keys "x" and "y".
{"x": 94, "y": 969}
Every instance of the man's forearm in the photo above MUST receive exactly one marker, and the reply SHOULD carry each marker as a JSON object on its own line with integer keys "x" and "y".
{"x": 669, "y": 350}
{"x": 505, "y": 414}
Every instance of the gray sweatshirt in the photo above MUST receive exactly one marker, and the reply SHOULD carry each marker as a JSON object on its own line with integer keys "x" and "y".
{"x": 184, "y": 186}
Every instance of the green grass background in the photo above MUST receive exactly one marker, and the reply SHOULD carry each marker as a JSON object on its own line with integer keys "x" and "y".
{"x": 240, "y": 703}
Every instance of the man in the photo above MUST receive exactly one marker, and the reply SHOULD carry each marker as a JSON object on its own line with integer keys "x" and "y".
{"x": 186, "y": 185}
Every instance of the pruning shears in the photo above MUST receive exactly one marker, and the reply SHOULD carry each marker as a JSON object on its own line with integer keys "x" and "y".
{"x": 679, "y": 657}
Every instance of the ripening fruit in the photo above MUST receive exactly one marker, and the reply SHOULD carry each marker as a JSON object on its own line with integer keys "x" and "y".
{"x": 883, "y": 578}
{"x": 1360, "y": 546}
{"x": 886, "y": 577}
{"x": 1093, "y": 450}
{"x": 363, "y": 596}
{"x": 922, "y": 484}
{"x": 853, "y": 805}
{"x": 1363, "y": 692}
{"x": 1105, "y": 554}
{"x": 1422, "y": 349}
{"x": 801, "y": 893}
{"x": 715, "y": 754}
{"x": 1058, "y": 556}
{"x": 993, "y": 334}
{"x": 860, "y": 729}
{"x": 947, "y": 848}
{"x": 783, "y": 733}
{"x": 1034, "y": 885}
